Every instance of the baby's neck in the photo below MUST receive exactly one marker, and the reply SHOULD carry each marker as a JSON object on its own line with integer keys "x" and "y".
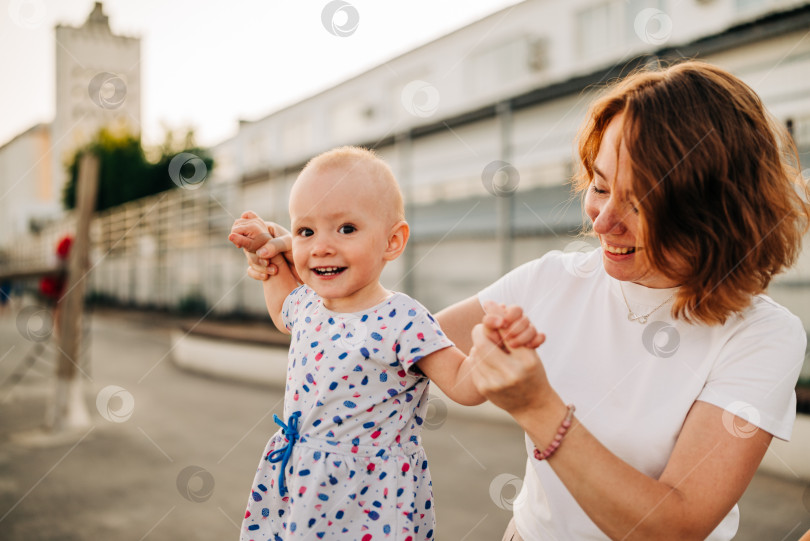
{"x": 357, "y": 302}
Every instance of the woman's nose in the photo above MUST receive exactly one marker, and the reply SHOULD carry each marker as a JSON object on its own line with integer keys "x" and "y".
{"x": 610, "y": 219}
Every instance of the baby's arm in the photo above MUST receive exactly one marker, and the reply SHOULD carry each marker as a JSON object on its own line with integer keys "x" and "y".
{"x": 250, "y": 233}
{"x": 450, "y": 369}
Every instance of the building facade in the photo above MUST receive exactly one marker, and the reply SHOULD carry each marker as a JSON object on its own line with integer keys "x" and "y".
{"x": 97, "y": 85}
{"x": 25, "y": 177}
{"x": 512, "y": 88}
{"x": 479, "y": 127}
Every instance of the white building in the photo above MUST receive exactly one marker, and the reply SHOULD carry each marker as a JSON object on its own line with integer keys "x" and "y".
{"x": 97, "y": 84}
{"x": 26, "y": 187}
{"x": 536, "y": 51}
{"x": 512, "y": 87}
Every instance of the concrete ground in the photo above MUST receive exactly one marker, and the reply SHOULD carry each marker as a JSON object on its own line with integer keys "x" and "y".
{"x": 170, "y": 454}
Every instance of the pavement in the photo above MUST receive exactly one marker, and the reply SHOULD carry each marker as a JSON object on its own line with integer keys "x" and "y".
{"x": 173, "y": 443}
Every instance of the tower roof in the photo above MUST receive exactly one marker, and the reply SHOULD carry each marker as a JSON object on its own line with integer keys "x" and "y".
{"x": 97, "y": 18}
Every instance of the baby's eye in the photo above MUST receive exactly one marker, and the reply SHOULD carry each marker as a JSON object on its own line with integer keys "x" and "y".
{"x": 346, "y": 229}
{"x": 305, "y": 232}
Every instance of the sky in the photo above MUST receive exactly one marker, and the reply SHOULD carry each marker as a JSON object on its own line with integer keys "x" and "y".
{"x": 207, "y": 64}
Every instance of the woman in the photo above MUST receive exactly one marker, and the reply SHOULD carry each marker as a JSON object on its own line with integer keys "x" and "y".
{"x": 680, "y": 369}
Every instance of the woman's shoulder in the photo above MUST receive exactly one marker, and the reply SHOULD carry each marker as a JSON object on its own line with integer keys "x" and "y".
{"x": 555, "y": 273}
{"x": 577, "y": 260}
{"x": 764, "y": 311}
{"x": 765, "y": 321}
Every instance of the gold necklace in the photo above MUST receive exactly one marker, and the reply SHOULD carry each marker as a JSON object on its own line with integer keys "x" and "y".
{"x": 641, "y": 318}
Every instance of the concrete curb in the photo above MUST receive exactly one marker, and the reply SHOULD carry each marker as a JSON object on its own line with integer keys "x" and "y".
{"x": 228, "y": 359}
{"x": 267, "y": 365}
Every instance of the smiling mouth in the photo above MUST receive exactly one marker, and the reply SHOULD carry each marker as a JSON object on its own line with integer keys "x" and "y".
{"x": 618, "y": 250}
{"x": 328, "y": 271}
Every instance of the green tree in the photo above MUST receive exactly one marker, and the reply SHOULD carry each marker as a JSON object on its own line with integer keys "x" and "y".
{"x": 125, "y": 172}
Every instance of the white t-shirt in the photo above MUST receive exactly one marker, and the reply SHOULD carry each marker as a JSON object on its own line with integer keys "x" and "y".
{"x": 633, "y": 384}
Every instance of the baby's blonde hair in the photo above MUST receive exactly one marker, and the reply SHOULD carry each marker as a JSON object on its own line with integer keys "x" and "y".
{"x": 380, "y": 173}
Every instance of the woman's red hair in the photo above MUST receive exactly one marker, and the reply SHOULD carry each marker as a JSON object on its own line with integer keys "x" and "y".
{"x": 721, "y": 201}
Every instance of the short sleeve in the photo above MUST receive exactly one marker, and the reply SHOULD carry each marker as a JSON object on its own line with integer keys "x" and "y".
{"x": 511, "y": 288}
{"x": 420, "y": 336}
{"x": 755, "y": 375}
{"x": 291, "y": 306}
{"x": 530, "y": 280}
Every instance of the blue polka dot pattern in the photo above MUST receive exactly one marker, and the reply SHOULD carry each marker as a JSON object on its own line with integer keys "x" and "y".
{"x": 359, "y": 470}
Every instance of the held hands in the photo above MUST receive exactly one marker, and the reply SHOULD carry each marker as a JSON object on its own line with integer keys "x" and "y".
{"x": 506, "y": 368}
{"x": 249, "y": 232}
{"x": 509, "y": 328}
{"x": 267, "y": 246}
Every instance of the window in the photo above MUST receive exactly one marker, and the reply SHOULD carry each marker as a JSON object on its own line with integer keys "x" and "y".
{"x": 349, "y": 119}
{"x": 499, "y": 66}
{"x": 593, "y": 30}
{"x": 646, "y": 21}
{"x": 296, "y": 137}
{"x": 747, "y": 6}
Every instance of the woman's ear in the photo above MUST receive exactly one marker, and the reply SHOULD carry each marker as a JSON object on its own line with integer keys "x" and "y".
{"x": 397, "y": 239}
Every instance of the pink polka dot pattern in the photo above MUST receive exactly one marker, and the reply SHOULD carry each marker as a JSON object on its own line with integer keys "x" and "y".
{"x": 359, "y": 470}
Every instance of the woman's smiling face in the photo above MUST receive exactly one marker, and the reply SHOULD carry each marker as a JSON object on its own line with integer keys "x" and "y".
{"x": 613, "y": 209}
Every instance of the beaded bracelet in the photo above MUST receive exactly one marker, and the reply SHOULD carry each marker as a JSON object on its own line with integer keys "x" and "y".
{"x": 552, "y": 448}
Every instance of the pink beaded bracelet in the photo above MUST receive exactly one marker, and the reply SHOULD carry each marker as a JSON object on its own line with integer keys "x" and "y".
{"x": 552, "y": 448}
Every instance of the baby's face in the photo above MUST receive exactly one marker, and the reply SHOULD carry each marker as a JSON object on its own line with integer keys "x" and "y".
{"x": 340, "y": 235}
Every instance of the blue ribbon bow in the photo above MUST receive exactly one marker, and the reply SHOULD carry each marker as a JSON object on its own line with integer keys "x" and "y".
{"x": 282, "y": 454}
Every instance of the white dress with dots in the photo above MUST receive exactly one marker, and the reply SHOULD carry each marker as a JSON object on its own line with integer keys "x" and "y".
{"x": 357, "y": 469}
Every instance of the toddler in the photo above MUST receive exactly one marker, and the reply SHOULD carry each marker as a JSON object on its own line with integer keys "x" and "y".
{"x": 347, "y": 462}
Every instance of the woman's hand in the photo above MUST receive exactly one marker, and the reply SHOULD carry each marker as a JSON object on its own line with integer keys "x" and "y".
{"x": 249, "y": 232}
{"x": 509, "y": 328}
{"x": 515, "y": 381}
{"x": 263, "y": 263}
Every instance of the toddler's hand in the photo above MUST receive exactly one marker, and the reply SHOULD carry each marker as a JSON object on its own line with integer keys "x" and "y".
{"x": 249, "y": 232}
{"x": 509, "y": 328}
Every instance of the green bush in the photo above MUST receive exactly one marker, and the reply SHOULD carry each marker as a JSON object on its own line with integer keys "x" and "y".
{"x": 97, "y": 298}
{"x": 125, "y": 173}
{"x": 193, "y": 303}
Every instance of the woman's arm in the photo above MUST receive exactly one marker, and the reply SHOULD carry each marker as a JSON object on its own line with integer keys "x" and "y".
{"x": 707, "y": 473}
{"x": 705, "y": 476}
